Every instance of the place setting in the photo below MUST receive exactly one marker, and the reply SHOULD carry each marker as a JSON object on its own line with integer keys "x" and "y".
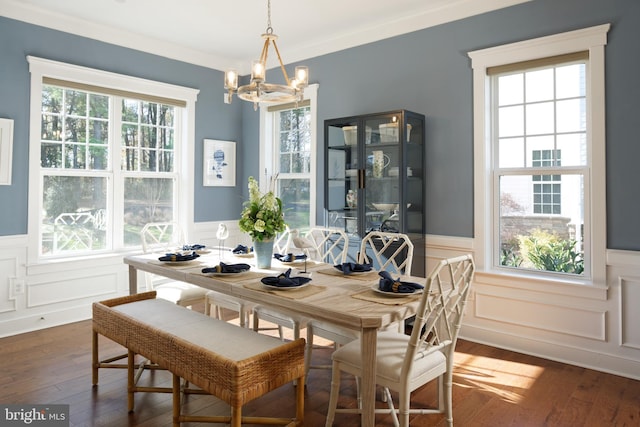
{"x": 391, "y": 291}
{"x": 242, "y": 251}
{"x": 291, "y": 283}
{"x": 178, "y": 259}
{"x": 364, "y": 271}
{"x": 230, "y": 272}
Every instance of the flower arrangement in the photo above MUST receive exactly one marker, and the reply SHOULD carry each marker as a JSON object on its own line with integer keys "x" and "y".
{"x": 262, "y": 216}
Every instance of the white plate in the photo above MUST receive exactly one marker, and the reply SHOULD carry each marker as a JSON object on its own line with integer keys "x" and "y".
{"x": 296, "y": 262}
{"x": 227, "y": 274}
{"x": 286, "y": 288}
{"x": 187, "y": 261}
{"x": 355, "y": 272}
{"x": 395, "y": 294}
{"x": 249, "y": 255}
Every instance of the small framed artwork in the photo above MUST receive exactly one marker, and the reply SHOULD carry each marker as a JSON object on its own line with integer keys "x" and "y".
{"x": 219, "y": 163}
{"x": 6, "y": 149}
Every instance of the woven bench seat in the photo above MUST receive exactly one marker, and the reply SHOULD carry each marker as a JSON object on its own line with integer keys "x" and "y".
{"x": 234, "y": 364}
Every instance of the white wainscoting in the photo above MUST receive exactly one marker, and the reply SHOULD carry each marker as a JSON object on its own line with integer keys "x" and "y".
{"x": 597, "y": 328}
{"x": 594, "y": 328}
{"x": 38, "y": 296}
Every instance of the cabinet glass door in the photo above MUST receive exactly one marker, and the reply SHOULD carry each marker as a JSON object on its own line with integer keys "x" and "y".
{"x": 382, "y": 190}
{"x": 342, "y": 175}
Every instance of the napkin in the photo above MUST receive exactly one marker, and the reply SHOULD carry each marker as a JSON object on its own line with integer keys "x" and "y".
{"x": 195, "y": 247}
{"x": 288, "y": 257}
{"x": 388, "y": 284}
{"x": 242, "y": 249}
{"x": 178, "y": 257}
{"x": 227, "y": 268}
{"x": 284, "y": 280}
{"x": 351, "y": 267}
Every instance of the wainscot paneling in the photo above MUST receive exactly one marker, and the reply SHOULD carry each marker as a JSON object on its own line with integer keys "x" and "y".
{"x": 628, "y": 300}
{"x": 594, "y": 327}
{"x": 90, "y": 285}
{"x": 12, "y": 281}
{"x": 41, "y": 295}
{"x": 547, "y": 316}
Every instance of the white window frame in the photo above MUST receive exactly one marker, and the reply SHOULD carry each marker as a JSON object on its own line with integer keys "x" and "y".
{"x": 184, "y": 154}
{"x": 593, "y": 40}
{"x": 268, "y": 148}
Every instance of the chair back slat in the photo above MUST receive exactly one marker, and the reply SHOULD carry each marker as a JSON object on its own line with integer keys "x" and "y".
{"x": 392, "y": 252}
{"x": 439, "y": 316}
{"x": 324, "y": 244}
{"x": 161, "y": 237}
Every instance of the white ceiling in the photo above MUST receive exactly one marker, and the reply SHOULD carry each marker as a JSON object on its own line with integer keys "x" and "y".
{"x": 224, "y": 34}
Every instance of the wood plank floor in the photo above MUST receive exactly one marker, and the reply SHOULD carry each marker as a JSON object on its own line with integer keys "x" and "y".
{"x": 492, "y": 387}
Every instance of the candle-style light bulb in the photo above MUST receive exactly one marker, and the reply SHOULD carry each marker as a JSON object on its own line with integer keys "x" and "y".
{"x": 231, "y": 80}
{"x": 302, "y": 76}
{"x": 257, "y": 72}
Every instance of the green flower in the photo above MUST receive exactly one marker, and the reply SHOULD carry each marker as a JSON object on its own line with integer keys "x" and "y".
{"x": 262, "y": 217}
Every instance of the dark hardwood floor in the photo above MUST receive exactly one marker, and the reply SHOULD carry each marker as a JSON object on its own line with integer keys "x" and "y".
{"x": 492, "y": 387}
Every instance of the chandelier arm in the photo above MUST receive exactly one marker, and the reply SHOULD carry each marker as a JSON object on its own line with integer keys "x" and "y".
{"x": 284, "y": 71}
{"x": 264, "y": 53}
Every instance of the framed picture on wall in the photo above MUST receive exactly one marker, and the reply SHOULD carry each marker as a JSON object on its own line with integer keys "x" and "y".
{"x": 6, "y": 149}
{"x": 219, "y": 163}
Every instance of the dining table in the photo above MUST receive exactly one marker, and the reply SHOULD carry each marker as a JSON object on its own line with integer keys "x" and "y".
{"x": 350, "y": 301}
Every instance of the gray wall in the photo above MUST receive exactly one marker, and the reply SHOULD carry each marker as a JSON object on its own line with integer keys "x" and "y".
{"x": 426, "y": 71}
{"x": 429, "y": 72}
{"x": 214, "y": 119}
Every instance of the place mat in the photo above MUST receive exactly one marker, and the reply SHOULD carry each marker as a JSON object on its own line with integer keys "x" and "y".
{"x": 366, "y": 276}
{"x": 370, "y": 295}
{"x": 307, "y": 291}
{"x": 247, "y": 275}
{"x": 178, "y": 264}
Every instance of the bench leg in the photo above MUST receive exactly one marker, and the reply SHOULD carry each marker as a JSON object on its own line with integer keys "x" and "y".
{"x": 131, "y": 382}
{"x": 300, "y": 400}
{"x": 236, "y": 416}
{"x": 176, "y": 400}
{"x": 94, "y": 357}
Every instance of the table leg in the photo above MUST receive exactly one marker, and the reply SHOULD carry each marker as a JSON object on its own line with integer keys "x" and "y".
{"x": 368, "y": 345}
{"x": 133, "y": 280}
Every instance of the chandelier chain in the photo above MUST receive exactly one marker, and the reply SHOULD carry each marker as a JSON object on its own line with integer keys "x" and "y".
{"x": 269, "y": 27}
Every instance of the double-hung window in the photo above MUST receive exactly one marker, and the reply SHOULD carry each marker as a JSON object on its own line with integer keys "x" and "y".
{"x": 290, "y": 157}
{"x": 106, "y": 159}
{"x": 539, "y": 156}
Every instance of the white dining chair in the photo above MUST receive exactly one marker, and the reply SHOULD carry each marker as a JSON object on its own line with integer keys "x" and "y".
{"x": 280, "y": 318}
{"x": 216, "y": 302}
{"x": 392, "y": 252}
{"x": 405, "y": 363}
{"x": 387, "y": 251}
{"x": 329, "y": 245}
{"x": 161, "y": 238}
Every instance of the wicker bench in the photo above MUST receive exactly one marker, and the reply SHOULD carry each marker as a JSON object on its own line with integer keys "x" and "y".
{"x": 234, "y": 364}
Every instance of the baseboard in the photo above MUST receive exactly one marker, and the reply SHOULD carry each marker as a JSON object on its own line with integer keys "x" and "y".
{"x": 45, "y": 320}
{"x": 577, "y": 356}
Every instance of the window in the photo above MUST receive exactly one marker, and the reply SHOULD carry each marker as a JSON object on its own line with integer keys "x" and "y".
{"x": 290, "y": 156}
{"x": 539, "y": 156}
{"x": 107, "y": 161}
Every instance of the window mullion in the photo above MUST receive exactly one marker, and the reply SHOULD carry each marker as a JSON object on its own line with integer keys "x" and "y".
{"x": 116, "y": 184}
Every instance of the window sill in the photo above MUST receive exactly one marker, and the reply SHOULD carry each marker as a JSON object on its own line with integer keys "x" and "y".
{"x": 51, "y": 265}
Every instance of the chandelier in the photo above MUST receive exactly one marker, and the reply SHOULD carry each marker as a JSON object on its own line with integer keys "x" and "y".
{"x": 258, "y": 90}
